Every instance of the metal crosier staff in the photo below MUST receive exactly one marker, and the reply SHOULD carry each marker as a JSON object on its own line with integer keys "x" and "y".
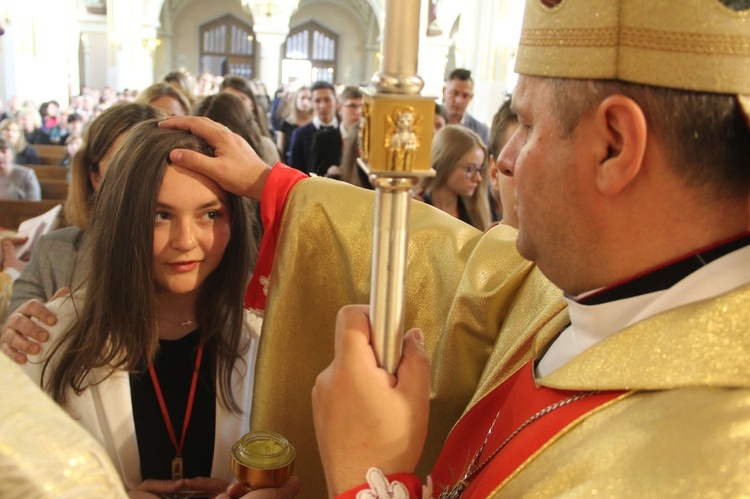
{"x": 395, "y": 139}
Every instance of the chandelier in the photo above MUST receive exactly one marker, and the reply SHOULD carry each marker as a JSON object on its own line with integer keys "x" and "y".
{"x": 270, "y": 8}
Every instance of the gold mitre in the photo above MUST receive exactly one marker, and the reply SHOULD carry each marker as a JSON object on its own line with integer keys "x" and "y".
{"x": 701, "y": 45}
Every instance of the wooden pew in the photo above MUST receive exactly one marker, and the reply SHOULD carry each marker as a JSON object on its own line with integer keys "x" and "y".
{"x": 49, "y": 172}
{"x": 12, "y": 212}
{"x": 50, "y": 154}
{"x": 54, "y": 189}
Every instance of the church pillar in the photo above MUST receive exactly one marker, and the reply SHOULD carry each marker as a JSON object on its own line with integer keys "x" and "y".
{"x": 487, "y": 40}
{"x": 433, "y": 57}
{"x": 271, "y": 27}
{"x": 132, "y": 40}
{"x": 270, "y": 43}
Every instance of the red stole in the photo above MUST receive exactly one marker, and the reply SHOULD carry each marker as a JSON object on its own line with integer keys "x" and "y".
{"x": 278, "y": 186}
{"x": 517, "y": 399}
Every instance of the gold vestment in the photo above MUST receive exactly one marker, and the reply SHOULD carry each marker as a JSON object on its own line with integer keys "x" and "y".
{"x": 43, "y": 452}
{"x": 480, "y": 306}
{"x": 471, "y": 293}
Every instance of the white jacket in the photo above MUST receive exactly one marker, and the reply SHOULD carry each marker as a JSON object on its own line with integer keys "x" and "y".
{"x": 106, "y": 411}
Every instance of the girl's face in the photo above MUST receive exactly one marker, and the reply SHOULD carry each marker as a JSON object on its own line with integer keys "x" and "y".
{"x": 169, "y": 105}
{"x": 26, "y": 122}
{"x": 97, "y": 177}
{"x": 244, "y": 98}
{"x": 304, "y": 100}
{"x": 191, "y": 231}
{"x": 466, "y": 177}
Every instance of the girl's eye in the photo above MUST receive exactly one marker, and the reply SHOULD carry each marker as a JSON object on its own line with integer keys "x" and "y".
{"x": 162, "y": 216}
{"x": 211, "y": 215}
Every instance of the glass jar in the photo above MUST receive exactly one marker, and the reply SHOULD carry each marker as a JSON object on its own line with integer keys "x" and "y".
{"x": 262, "y": 459}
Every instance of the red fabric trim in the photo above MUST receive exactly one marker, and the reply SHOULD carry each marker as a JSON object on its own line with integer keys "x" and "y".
{"x": 517, "y": 399}
{"x": 412, "y": 482}
{"x": 272, "y": 202}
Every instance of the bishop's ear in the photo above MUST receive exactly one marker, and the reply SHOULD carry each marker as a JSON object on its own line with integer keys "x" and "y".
{"x": 622, "y": 126}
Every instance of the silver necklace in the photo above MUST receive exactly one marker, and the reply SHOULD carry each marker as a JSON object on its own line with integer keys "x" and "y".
{"x": 187, "y": 323}
{"x": 475, "y": 467}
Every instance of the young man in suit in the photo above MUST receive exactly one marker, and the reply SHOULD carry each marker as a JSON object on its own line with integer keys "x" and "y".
{"x": 324, "y": 107}
{"x": 328, "y": 145}
{"x": 457, "y": 94}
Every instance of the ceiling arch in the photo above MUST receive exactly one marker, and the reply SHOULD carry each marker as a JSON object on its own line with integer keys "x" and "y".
{"x": 363, "y": 9}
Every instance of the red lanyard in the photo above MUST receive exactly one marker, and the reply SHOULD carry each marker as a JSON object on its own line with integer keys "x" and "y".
{"x": 188, "y": 409}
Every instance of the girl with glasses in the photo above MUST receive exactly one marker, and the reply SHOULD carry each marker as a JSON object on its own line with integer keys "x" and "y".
{"x": 459, "y": 187}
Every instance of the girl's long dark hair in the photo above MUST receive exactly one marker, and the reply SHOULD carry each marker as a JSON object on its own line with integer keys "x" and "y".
{"x": 117, "y": 325}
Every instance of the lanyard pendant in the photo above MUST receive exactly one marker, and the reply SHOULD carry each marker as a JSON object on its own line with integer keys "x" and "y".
{"x": 177, "y": 468}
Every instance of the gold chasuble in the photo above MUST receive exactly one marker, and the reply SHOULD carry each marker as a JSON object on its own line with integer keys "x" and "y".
{"x": 43, "y": 451}
{"x": 476, "y": 299}
{"x": 484, "y": 310}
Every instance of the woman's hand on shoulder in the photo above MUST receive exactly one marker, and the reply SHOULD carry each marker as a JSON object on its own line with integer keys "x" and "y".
{"x": 21, "y": 336}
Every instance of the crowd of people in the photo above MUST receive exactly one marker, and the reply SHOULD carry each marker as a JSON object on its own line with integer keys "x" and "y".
{"x": 324, "y": 114}
{"x": 593, "y": 343}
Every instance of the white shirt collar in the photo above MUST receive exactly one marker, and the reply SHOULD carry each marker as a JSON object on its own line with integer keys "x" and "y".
{"x": 591, "y": 324}
{"x": 316, "y": 121}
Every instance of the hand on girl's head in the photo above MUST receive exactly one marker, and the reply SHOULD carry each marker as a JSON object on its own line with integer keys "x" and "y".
{"x": 236, "y": 167}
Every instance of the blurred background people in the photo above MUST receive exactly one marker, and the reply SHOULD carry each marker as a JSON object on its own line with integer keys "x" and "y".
{"x": 349, "y": 171}
{"x": 440, "y": 119}
{"x": 241, "y": 87}
{"x": 31, "y": 124}
{"x": 502, "y": 183}
{"x": 327, "y": 145}
{"x": 12, "y": 131}
{"x": 54, "y": 261}
{"x": 457, "y": 94}
{"x": 166, "y": 98}
{"x": 72, "y": 144}
{"x": 16, "y": 182}
{"x": 184, "y": 82}
{"x": 324, "y": 102}
{"x": 205, "y": 84}
{"x": 297, "y": 112}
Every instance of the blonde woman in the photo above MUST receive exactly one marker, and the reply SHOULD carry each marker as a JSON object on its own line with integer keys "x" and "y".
{"x": 166, "y": 98}
{"x": 13, "y": 133}
{"x": 300, "y": 113}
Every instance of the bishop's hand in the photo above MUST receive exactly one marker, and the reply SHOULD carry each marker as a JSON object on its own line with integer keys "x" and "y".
{"x": 365, "y": 417}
